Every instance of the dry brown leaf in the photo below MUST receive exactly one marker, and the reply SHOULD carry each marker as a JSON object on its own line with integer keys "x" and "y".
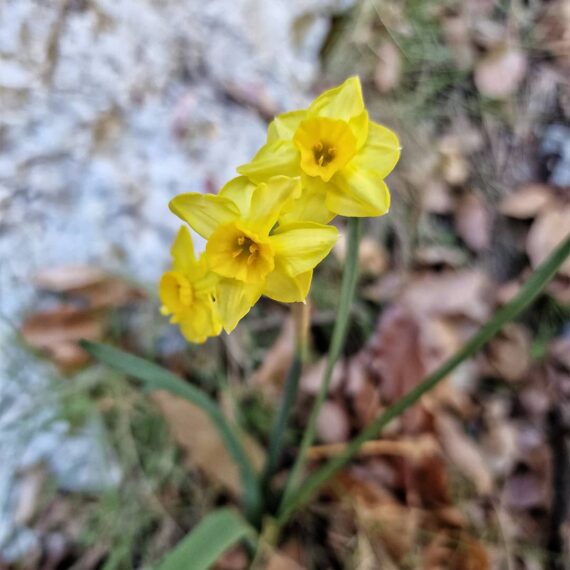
{"x": 508, "y": 354}
{"x": 113, "y": 292}
{"x": 549, "y": 229}
{"x": 382, "y": 518}
{"x": 57, "y": 333}
{"x": 31, "y": 493}
{"x": 412, "y": 448}
{"x": 458, "y": 39}
{"x": 469, "y": 554}
{"x": 455, "y": 167}
{"x": 527, "y": 202}
{"x": 253, "y": 95}
{"x": 437, "y": 198}
{"x": 559, "y": 289}
{"x": 406, "y": 347}
{"x": 333, "y": 423}
{"x": 193, "y": 431}
{"x": 553, "y": 31}
{"x": 452, "y": 293}
{"x": 372, "y": 257}
{"x": 559, "y": 351}
{"x": 313, "y": 376}
{"x": 387, "y": 288}
{"x": 526, "y": 490}
{"x": 500, "y": 73}
{"x": 388, "y": 70}
{"x": 452, "y": 551}
{"x": 98, "y": 288}
{"x": 277, "y": 360}
{"x": 499, "y": 444}
{"x": 397, "y": 354}
{"x": 393, "y": 525}
{"x": 464, "y": 453}
{"x": 64, "y": 279}
{"x": 279, "y": 561}
{"x": 362, "y": 390}
{"x": 430, "y": 255}
{"x": 234, "y": 559}
{"x": 473, "y": 222}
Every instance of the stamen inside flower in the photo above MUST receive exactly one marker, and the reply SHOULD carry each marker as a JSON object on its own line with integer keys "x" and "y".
{"x": 324, "y": 153}
{"x": 326, "y": 146}
{"x": 247, "y": 248}
{"x": 234, "y": 252}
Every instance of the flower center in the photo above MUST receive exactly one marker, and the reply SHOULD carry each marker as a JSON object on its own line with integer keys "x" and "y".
{"x": 234, "y": 252}
{"x": 246, "y": 249}
{"x": 324, "y": 153}
{"x": 176, "y": 291}
{"x": 326, "y": 146}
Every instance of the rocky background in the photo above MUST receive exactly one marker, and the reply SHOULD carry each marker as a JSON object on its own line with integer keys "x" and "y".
{"x": 110, "y": 108}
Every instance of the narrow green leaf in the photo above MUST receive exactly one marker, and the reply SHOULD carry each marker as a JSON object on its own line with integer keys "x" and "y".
{"x": 533, "y": 287}
{"x": 199, "y": 549}
{"x": 154, "y": 377}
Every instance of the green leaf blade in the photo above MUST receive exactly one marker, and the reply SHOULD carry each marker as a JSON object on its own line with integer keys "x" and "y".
{"x": 155, "y": 377}
{"x": 198, "y": 550}
{"x": 528, "y": 293}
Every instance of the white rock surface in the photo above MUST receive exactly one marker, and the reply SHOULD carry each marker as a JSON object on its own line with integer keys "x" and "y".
{"x": 107, "y": 110}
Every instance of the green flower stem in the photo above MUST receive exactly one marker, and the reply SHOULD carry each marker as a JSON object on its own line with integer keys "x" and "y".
{"x": 300, "y": 314}
{"x": 534, "y": 286}
{"x": 348, "y": 287}
{"x": 279, "y": 426}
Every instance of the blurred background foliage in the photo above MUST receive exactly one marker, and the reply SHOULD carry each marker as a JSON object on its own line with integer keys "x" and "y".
{"x": 110, "y": 109}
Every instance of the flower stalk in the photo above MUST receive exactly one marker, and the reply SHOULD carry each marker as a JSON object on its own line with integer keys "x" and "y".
{"x": 300, "y": 313}
{"x": 348, "y": 287}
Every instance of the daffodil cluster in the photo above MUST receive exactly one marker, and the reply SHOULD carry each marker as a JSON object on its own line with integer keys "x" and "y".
{"x": 268, "y": 228}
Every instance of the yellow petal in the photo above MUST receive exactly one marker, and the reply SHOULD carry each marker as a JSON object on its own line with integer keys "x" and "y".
{"x": 273, "y": 159}
{"x": 176, "y": 292}
{"x": 239, "y": 191}
{"x": 204, "y": 212}
{"x": 381, "y": 151}
{"x": 201, "y": 322}
{"x": 342, "y": 102}
{"x": 234, "y": 299}
{"x": 285, "y": 125}
{"x": 182, "y": 251}
{"x": 280, "y": 286}
{"x": 358, "y": 193}
{"x": 268, "y": 201}
{"x": 359, "y": 125}
{"x": 310, "y": 206}
{"x": 300, "y": 246}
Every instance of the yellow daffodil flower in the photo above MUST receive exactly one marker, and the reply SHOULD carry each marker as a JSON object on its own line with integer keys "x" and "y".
{"x": 187, "y": 292}
{"x": 249, "y": 253}
{"x": 341, "y": 156}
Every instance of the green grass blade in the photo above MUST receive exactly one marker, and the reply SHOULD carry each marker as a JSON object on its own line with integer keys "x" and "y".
{"x": 198, "y": 550}
{"x": 534, "y": 286}
{"x": 154, "y": 377}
